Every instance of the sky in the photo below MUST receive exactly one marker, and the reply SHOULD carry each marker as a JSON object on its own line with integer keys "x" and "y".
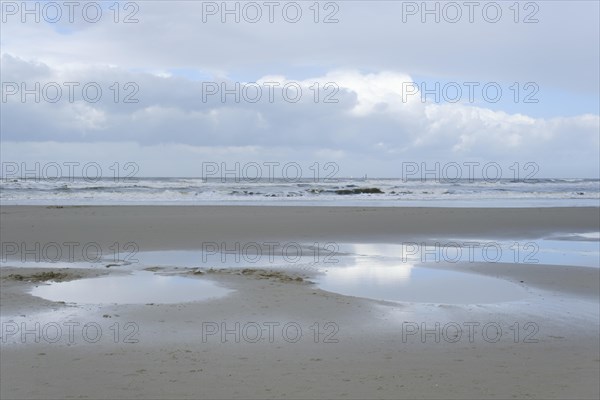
{"x": 369, "y": 85}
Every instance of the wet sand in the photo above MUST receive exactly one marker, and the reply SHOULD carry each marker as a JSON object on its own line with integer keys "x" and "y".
{"x": 349, "y": 347}
{"x": 183, "y": 227}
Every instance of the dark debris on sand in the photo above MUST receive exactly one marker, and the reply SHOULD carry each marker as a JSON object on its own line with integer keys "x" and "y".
{"x": 42, "y": 277}
{"x": 257, "y": 273}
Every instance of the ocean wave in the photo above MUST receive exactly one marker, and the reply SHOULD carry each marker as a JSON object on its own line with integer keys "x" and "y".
{"x": 166, "y": 190}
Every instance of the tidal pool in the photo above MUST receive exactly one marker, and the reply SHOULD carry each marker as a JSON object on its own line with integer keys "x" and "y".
{"x": 406, "y": 283}
{"x": 140, "y": 287}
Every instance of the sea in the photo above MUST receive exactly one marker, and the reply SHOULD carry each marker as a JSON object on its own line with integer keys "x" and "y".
{"x": 373, "y": 192}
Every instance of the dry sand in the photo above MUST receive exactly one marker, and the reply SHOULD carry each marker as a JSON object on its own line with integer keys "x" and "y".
{"x": 372, "y": 358}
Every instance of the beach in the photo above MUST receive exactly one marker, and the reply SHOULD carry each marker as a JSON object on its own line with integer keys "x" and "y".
{"x": 300, "y": 200}
{"x": 276, "y": 333}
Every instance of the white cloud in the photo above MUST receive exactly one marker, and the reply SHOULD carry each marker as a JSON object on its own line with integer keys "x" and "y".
{"x": 371, "y": 120}
{"x": 370, "y": 55}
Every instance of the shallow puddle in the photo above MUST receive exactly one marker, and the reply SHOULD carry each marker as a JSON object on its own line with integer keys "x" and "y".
{"x": 55, "y": 264}
{"x": 138, "y": 288}
{"x": 388, "y": 271}
{"x": 405, "y": 283}
{"x": 584, "y": 252}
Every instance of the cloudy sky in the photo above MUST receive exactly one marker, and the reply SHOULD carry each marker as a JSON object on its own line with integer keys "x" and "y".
{"x": 369, "y": 85}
